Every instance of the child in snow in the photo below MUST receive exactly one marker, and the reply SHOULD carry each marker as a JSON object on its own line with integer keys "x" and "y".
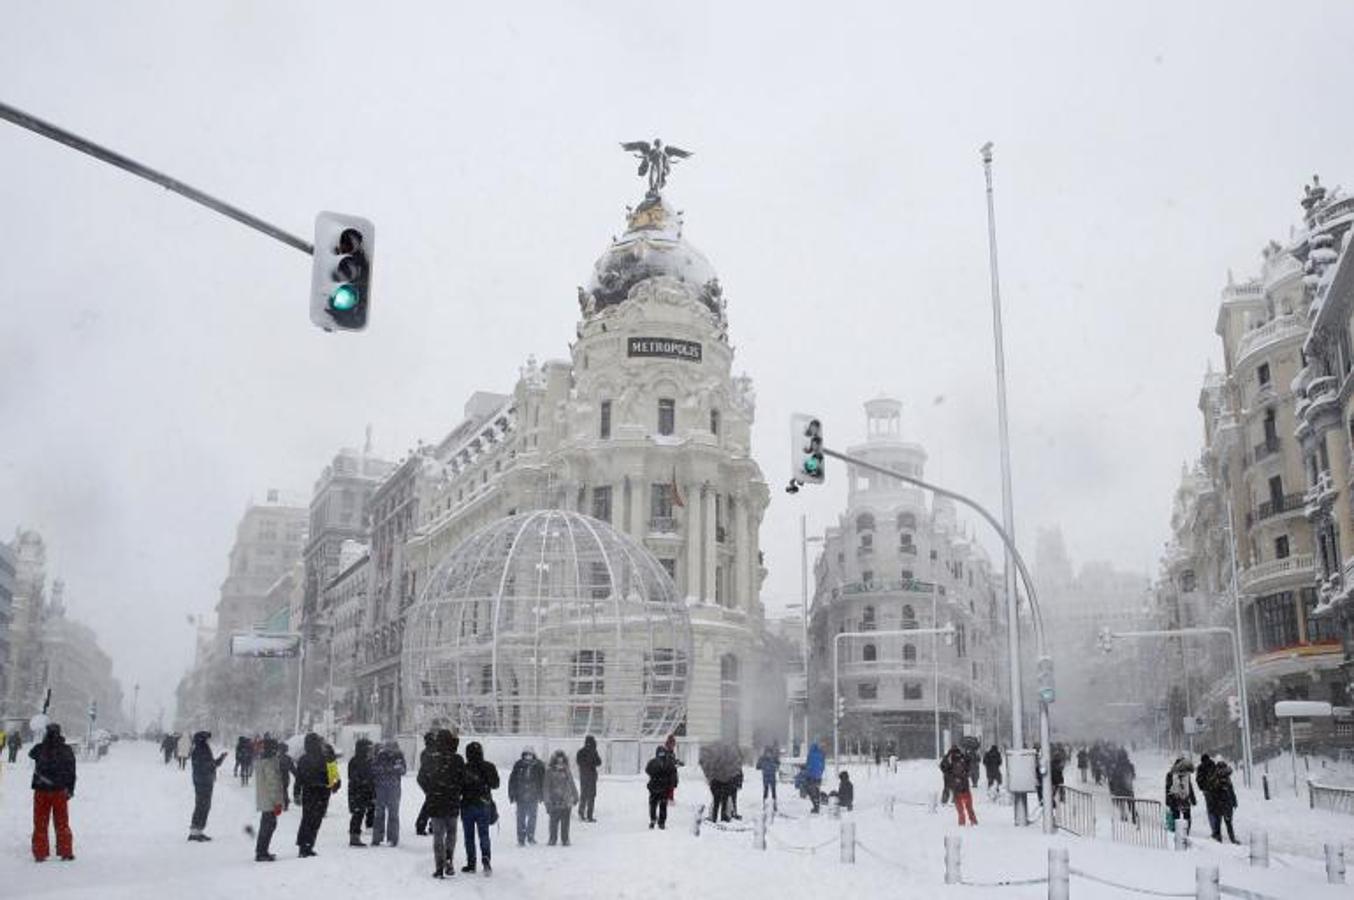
{"x": 560, "y": 796}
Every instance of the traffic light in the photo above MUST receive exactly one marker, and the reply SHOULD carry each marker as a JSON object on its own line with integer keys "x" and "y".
{"x": 841, "y": 707}
{"x": 1234, "y": 708}
{"x": 340, "y": 283}
{"x": 1105, "y": 640}
{"x": 1044, "y": 678}
{"x": 806, "y": 450}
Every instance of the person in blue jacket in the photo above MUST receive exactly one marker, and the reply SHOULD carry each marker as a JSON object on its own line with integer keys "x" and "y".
{"x": 769, "y": 764}
{"x": 814, "y": 767}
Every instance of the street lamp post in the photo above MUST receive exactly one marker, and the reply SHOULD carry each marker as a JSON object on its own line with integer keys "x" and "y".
{"x": 836, "y": 672}
{"x": 804, "y": 594}
{"x": 1236, "y": 647}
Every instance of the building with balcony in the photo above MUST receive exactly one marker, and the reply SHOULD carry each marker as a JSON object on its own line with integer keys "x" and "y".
{"x": 897, "y": 561}
{"x": 268, "y": 541}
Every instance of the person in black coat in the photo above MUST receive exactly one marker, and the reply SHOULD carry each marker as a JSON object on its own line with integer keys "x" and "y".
{"x": 1220, "y": 797}
{"x": 662, "y": 772}
{"x": 992, "y": 763}
{"x": 441, "y": 775}
{"x": 421, "y": 820}
{"x": 204, "y": 782}
{"x": 361, "y": 791}
{"x": 287, "y": 767}
{"x": 312, "y": 792}
{"x": 588, "y": 761}
{"x": 845, "y": 792}
{"x": 53, "y": 785}
{"x": 478, "y": 811}
{"x": 526, "y": 788}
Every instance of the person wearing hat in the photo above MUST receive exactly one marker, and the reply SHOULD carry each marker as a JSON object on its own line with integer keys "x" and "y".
{"x": 270, "y": 795}
{"x": 53, "y": 786}
{"x": 204, "y": 782}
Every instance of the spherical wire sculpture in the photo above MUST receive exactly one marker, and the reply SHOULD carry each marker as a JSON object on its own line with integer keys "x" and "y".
{"x": 549, "y": 623}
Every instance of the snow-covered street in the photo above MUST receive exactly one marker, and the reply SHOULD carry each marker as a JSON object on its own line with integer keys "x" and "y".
{"x": 130, "y": 818}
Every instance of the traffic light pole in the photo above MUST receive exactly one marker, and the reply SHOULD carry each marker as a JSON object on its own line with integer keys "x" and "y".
{"x": 1236, "y": 648}
{"x": 113, "y": 158}
{"x": 1234, "y": 645}
{"x": 1041, "y": 644}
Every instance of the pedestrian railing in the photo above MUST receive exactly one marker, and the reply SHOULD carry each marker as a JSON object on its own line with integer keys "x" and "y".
{"x": 1074, "y": 811}
{"x": 1141, "y": 823}
{"x": 1335, "y": 799}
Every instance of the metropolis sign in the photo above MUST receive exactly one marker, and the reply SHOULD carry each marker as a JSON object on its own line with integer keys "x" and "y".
{"x": 666, "y": 348}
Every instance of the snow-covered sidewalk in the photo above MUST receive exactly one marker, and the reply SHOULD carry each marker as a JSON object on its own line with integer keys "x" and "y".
{"x": 130, "y": 818}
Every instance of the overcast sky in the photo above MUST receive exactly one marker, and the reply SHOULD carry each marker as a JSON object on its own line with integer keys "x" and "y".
{"x": 158, "y": 368}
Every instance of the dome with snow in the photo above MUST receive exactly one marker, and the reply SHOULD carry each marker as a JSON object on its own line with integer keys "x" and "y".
{"x": 651, "y": 246}
{"x": 548, "y": 623}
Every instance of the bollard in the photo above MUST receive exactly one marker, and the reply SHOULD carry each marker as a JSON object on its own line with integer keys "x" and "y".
{"x": 759, "y": 831}
{"x": 1260, "y": 849}
{"x": 848, "y": 841}
{"x": 1264, "y": 781}
{"x": 834, "y": 808}
{"x": 952, "y": 871}
{"x": 888, "y": 806}
{"x": 1059, "y": 874}
{"x": 1335, "y": 864}
{"x": 1179, "y": 839}
{"x": 696, "y": 822}
{"x": 1206, "y": 883}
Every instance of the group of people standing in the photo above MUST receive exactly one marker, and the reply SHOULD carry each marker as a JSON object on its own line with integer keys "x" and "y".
{"x": 1215, "y": 783}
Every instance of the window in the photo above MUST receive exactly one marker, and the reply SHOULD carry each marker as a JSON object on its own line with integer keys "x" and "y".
{"x": 604, "y": 420}
{"x": 1277, "y": 620}
{"x": 906, "y": 576}
{"x": 909, "y": 656}
{"x": 667, "y": 416}
{"x": 601, "y": 503}
{"x": 909, "y": 618}
{"x": 867, "y": 542}
{"x": 585, "y": 683}
{"x": 907, "y": 520}
{"x": 1319, "y": 630}
{"x": 670, "y": 566}
{"x": 867, "y": 690}
{"x": 721, "y": 595}
{"x": 1187, "y": 581}
{"x": 1262, "y": 374}
{"x": 867, "y": 620}
{"x": 714, "y": 421}
{"x": 664, "y": 677}
{"x": 865, "y": 522}
{"x": 1281, "y": 547}
{"x": 600, "y": 580}
{"x": 660, "y": 508}
{"x": 869, "y": 653}
{"x": 912, "y": 690}
{"x": 960, "y": 641}
{"x": 867, "y": 578}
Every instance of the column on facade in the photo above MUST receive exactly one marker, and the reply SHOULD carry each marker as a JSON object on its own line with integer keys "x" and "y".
{"x": 693, "y": 542}
{"x": 710, "y": 555}
{"x": 742, "y": 569}
{"x": 638, "y": 520}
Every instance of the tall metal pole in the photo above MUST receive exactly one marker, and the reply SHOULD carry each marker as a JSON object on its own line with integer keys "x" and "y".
{"x": 804, "y": 594}
{"x": 1007, "y": 511}
{"x": 1240, "y": 657}
{"x": 300, "y": 680}
{"x": 136, "y": 694}
{"x": 935, "y": 671}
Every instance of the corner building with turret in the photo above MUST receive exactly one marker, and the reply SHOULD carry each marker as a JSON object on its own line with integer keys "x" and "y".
{"x": 646, "y": 427}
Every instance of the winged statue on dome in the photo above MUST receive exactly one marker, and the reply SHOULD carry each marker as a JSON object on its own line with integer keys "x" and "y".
{"x": 655, "y": 160}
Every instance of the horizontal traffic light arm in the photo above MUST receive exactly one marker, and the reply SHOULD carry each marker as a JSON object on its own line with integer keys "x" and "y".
{"x": 113, "y": 158}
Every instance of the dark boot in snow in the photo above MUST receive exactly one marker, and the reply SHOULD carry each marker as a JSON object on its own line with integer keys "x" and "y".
{"x": 355, "y": 840}
{"x": 488, "y": 869}
{"x": 468, "y": 867}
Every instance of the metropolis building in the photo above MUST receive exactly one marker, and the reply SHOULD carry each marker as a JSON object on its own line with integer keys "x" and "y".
{"x": 644, "y": 427}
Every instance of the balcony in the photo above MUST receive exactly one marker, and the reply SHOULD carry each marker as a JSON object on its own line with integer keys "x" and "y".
{"x": 1284, "y": 503}
{"x": 663, "y": 525}
{"x": 907, "y": 549}
{"x": 1323, "y": 395}
{"x": 865, "y": 550}
{"x": 1268, "y": 447}
{"x": 1320, "y": 495}
{"x": 1296, "y": 567}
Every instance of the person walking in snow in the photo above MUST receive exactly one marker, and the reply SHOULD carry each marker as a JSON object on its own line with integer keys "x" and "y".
{"x": 814, "y": 766}
{"x": 769, "y": 765}
{"x": 954, "y": 767}
{"x": 588, "y": 762}
{"x": 244, "y": 759}
{"x": 662, "y": 772}
{"x": 13, "y": 743}
{"x": 478, "y": 811}
{"x": 560, "y": 796}
{"x": 270, "y": 796}
{"x": 421, "y": 820}
{"x": 526, "y": 787}
{"x": 387, "y": 770}
{"x": 1083, "y": 760}
{"x": 204, "y": 782}
{"x": 1180, "y": 792}
{"x": 182, "y": 747}
{"x": 361, "y": 791}
{"x": 53, "y": 787}
{"x": 312, "y": 792}
{"x": 441, "y": 774}
{"x": 992, "y": 764}
{"x": 1220, "y": 799}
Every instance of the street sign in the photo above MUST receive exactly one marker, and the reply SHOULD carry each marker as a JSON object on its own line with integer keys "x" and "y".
{"x": 265, "y": 646}
{"x": 1288, "y": 709}
{"x": 1194, "y": 724}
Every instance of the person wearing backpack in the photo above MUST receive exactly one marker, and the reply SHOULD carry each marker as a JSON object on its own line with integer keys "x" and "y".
{"x": 1180, "y": 792}
{"x": 662, "y": 772}
{"x": 1221, "y": 801}
{"x": 478, "y": 811}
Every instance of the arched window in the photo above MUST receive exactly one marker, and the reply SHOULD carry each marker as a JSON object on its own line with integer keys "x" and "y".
{"x": 907, "y": 520}
{"x": 909, "y": 617}
{"x": 869, "y": 653}
{"x": 865, "y": 522}
{"x": 909, "y": 656}
{"x": 867, "y": 620}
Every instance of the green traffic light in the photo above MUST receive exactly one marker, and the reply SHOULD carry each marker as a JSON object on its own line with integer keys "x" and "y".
{"x": 811, "y": 465}
{"x": 344, "y": 298}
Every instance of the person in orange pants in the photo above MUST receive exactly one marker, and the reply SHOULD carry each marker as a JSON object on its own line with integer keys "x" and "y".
{"x": 955, "y": 768}
{"x": 53, "y": 786}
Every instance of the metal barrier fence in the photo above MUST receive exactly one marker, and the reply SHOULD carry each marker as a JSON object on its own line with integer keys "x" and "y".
{"x": 1074, "y": 811}
{"x": 1335, "y": 799}
{"x": 1138, "y": 822}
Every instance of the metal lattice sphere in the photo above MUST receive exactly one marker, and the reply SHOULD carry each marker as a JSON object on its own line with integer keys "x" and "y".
{"x": 549, "y": 623}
